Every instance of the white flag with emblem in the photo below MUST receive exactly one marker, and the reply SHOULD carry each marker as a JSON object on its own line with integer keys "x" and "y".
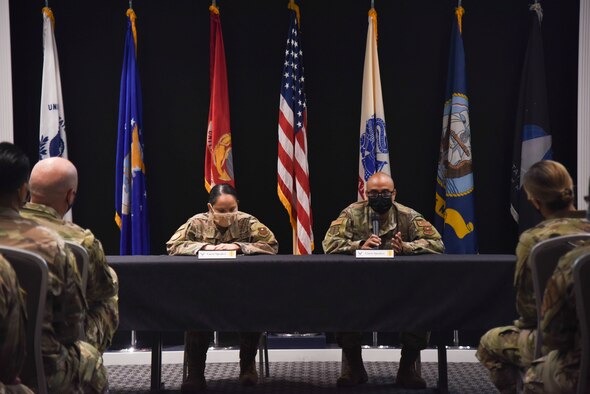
{"x": 52, "y": 127}
{"x": 374, "y": 153}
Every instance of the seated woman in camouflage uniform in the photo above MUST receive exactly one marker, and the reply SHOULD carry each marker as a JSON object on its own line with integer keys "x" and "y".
{"x": 507, "y": 350}
{"x": 223, "y": 227}
{"x": 558, "y": 371}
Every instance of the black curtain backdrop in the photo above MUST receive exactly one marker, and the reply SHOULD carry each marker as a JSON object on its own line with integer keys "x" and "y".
{"x": 174, "y": 65}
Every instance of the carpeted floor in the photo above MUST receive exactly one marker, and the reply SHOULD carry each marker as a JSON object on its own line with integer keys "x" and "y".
{"x": 301, "y": 378}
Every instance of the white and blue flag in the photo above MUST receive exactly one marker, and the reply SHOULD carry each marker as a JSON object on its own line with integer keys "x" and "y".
{"x": 374, "y": 152}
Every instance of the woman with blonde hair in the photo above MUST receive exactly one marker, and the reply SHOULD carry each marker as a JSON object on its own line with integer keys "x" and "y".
{"x": 505, "y": 351}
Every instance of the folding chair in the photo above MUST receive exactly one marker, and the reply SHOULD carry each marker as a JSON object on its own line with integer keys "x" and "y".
{"x": 82, "y": 261}
{"x": 32, "y": 273}
{"x": 543, "y": 260}
{"x": 582, "y": 291}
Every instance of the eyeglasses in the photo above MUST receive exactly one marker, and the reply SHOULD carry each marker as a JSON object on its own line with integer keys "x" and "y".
{"x": 375, "y": 194}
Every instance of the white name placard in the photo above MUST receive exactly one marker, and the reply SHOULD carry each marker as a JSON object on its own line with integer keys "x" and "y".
{"x": 375, "y": 254}
{"x": 217, "y": 254}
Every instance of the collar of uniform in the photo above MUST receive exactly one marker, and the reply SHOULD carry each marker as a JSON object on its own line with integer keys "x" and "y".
{"x": 41, "y": 209}
{"x": 568, "y": 214}
{"x": 9, "y": 213}
{"x": 212, "y": 228}
{"x": 390, "y": 218}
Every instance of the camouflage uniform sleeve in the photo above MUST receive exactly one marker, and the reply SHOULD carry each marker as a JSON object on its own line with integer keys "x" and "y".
{"x": 12, "y": 324}
{"x": 424, "y": 238}
{"x": 262, "y": 240}
{"x": 62, "y": 325}
{"x": 339, "y": 236}
{"x": 185, "y": 241}
{"x": 523, "y": 282}
{"x": 102, "y": 318}
{"x": 559, "y": 319}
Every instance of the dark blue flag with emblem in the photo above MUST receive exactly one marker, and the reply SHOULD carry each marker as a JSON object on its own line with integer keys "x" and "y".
{"x": 532, "y": 141}
{"x": 455, "y": 216}
{"x": 130, "y": 189}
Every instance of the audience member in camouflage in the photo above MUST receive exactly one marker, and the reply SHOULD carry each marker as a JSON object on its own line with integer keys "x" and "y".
{"x": 506, "y": 351}
{"x": 12, "y": 330}
{"x": 222, "y": 228}
{"x": 51, "y": 181}
{"x": 71, "y": 366}
{"x": 559, "y": 370}
{"x": 401, "y": 229}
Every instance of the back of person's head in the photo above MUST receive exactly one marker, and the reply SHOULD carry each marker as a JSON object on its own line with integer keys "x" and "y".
{"x": 219, "y": 189}
{"x": 548, "y": 182}
{"x": 14, "y": 168}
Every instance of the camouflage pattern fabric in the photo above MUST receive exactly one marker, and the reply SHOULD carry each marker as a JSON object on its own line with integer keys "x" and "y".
{"x": 14, "y": 389}
{"x": 246, "y": 231}
{"x": 559, "y": 370}
{"x": 63, "y": 358}
{"x": 13, "y": 317}
{"x": 102, "y": 316}
{"x": 523, "y": 281}
{"x": 353, "y": 227}
{"x": 505, "y": 351}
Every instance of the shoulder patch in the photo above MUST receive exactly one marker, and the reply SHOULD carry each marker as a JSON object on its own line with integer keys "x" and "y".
{"x": 425, "y": 226}
{"x": 263, "y": 231}
{"x": 423, "y": 223}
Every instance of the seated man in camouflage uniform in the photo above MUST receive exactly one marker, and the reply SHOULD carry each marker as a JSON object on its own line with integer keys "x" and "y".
{"x": 71, "y": 365}
{"x": 401, "y": 229}
{"x": 558, "y": 371}
{"x": 53, "y": 186}
{"x": 12, "y": 331}
{"x": 506, "y": 351}
{"x": 223, "y": 227}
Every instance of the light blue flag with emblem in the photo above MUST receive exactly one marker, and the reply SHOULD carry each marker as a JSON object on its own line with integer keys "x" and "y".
{"x": 374, "y": 152}
{"x": 455, "y": 216}
{"x": 130, "y": 189}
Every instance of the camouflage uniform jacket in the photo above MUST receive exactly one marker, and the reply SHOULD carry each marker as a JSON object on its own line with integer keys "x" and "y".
{"x": 102, "y": 286}
{"x": 353, "y": 227}
{"x": 65, "y": 303}
{"x": 246, "y": 231}
{"x": 523, "y": 281}
{"x": 559, "y": 324}
{"x": 12, "y": 324}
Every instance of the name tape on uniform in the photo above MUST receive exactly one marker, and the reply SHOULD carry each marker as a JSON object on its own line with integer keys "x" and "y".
{"x": 217, "y": 254}
{"x": 375, "y": 254}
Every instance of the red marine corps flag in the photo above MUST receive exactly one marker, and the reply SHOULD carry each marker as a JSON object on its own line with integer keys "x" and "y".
{"x": 219, "y": 166}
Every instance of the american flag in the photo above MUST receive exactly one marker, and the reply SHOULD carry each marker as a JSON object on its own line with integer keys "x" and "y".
{"x": 293, "y": 172}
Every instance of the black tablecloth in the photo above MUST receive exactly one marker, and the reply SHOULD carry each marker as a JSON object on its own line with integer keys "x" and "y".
{"x": 315, "y": 293}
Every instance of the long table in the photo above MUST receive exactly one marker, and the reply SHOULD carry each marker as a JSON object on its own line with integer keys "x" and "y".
{"x": 314, "y": 293}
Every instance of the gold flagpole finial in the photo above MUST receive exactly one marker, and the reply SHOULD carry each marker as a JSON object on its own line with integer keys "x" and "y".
{"x": 295, "y": 7}
{"x": 459, "y": 11}
{"x": 213, "y": 7}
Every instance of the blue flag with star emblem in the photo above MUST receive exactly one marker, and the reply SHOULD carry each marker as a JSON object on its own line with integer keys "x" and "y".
{"x": 455, "y": 216}
{"x": 532, "y": 138}
{"x": 130, "y": 186}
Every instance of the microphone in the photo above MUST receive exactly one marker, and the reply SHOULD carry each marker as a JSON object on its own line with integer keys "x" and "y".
{"x": 375, "y": 222}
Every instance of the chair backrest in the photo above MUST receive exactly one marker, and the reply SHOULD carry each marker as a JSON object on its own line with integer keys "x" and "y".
{"x": 543, "y": 259}
{"x": 81, "y": 261}
{"x": 32, "y": 272}
{"x": 582, "y": 291}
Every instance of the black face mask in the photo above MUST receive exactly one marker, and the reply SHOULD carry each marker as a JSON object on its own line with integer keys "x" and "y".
{"x": 380, "y": 204}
